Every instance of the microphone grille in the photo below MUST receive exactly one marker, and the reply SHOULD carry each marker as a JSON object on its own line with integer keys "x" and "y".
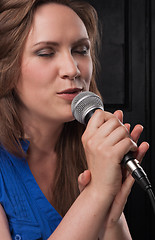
{"x": 83, "y": 103}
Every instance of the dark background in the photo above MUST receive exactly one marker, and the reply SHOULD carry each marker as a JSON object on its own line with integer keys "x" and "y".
{"x": 126, "y": 82}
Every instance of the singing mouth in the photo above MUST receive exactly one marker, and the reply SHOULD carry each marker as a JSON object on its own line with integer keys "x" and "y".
{"x": 71, "y": 91}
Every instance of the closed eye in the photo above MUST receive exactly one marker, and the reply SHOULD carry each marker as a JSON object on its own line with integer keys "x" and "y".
{"x": 82, "y": 50}
{"x": 46, "y": 52}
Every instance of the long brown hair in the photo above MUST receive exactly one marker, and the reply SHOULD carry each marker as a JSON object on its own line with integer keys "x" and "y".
{"x": 15, "y": 22}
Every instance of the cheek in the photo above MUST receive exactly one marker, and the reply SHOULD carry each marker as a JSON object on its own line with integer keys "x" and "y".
{"x": 32, "y": 77}
{"x": 32, "y": 74}
{"x": 88, "y": 72}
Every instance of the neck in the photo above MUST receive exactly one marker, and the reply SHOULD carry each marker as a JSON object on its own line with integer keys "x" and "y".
{"x": 43, "y": 136}
{"x": 44, "y": 139}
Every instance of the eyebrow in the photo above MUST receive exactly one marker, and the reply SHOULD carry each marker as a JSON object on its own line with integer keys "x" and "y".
{"x": 57, "y": 44}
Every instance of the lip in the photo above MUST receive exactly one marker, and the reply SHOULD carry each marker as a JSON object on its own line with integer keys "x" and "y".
{"x": 70, "y": 93}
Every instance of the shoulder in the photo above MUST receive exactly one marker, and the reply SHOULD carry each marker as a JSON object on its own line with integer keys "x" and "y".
{"x": 6, "y": 170}
{"x": 4, "y": 162}
{"x": 4, "y": 158}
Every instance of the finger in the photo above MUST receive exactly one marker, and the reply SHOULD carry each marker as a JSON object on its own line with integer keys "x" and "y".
{"x": 117, "y": 135}
{"x": 126, "y": 189}
{"x": 80, "y": 183}
{"x": 136, "y": 132}
{"x": 128, "y": 126}
{"x": 83, "y": 179}
{"x": 125, "y": 145}
{"x": 119, "y": 115}
{"x": 120, "y": 201}
{"x": 108, "y": 128}
{"x": 122, "y": 196}
{"x": 142, "y": 149}
{"x": 97, "y": 120}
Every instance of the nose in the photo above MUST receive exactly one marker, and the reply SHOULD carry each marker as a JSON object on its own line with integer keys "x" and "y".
{"x": 68, "y": 67}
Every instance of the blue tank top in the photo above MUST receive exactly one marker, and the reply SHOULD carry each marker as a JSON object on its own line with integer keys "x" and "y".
{"x": 29, "y": 213}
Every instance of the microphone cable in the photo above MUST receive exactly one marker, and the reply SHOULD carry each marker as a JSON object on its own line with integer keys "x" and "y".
{"x": 83, "y": 107}
{"x": 152, "y": 198}
{"x": 139, "y": 175}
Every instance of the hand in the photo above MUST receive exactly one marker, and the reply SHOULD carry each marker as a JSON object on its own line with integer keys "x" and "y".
{"x": 117, "y": 207}
{"x": 106, "y": 140}
{"x": 85, "y": 177}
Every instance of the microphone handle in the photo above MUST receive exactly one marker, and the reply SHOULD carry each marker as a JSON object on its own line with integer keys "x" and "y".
{"x": 129, "y": 162}
{"x": 89, "y": 115}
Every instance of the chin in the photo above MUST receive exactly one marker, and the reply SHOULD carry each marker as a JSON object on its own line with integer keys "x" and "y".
{"x": 70, "y": 119}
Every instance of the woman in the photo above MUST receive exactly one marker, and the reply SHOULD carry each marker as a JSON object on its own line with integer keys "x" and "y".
{"x": 48, "y": 56}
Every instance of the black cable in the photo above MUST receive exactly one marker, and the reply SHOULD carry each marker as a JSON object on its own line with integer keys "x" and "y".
{"x": 142, "y": 179}
{"x": 152, "y": 198}
{"x": 83, "y": 107}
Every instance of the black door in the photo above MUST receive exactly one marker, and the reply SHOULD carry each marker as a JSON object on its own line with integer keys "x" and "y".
{"x": 127, "y": 82}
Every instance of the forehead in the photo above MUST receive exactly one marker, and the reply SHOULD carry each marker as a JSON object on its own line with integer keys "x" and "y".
{"x": 56, "y": 20}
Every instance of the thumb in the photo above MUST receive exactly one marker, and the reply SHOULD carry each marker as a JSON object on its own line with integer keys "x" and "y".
{"x": 83, "y": 180}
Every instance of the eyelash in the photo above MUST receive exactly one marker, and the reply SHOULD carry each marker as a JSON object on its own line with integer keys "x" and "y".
{"x": 82, "y": 52}
{"x": 40, "y": 54}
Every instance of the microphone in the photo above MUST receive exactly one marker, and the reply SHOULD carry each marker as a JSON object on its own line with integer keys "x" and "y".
{"x": 83, "y": 107}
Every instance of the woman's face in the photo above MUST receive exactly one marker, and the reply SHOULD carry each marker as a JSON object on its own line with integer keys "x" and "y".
{"x": 56, "y": 63}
